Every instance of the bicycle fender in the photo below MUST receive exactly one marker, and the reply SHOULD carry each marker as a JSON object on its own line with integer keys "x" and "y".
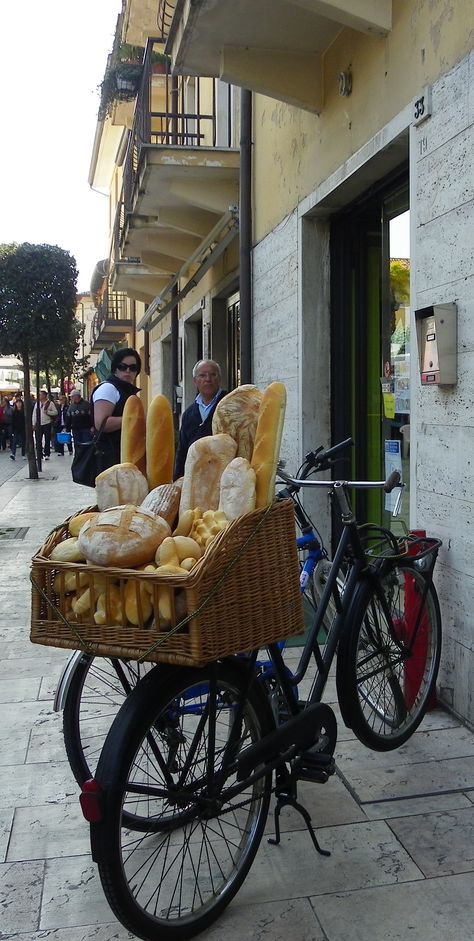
{"x": 66, "y": 678}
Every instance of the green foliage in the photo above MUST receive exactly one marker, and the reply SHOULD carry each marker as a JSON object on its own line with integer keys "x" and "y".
{"x": 37, "y": 298}
{"x": 400, "y": 280}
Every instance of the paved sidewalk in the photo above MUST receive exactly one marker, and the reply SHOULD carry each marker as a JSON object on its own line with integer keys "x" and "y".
{"x": 400, "y": 826}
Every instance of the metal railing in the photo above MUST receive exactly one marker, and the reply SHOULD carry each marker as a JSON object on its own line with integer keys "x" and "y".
{"x": 112, "y": 307}
{"x": 164, "y": 16}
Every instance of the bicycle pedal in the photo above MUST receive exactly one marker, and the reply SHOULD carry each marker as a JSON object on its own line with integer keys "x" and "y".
{"x": 315, "y": 766}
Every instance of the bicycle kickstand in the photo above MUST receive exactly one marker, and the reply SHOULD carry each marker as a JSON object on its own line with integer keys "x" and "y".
{"x": 285, "y": 793}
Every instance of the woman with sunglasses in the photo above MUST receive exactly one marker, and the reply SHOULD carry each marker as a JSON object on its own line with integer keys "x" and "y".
{"x": 108, "y": 401}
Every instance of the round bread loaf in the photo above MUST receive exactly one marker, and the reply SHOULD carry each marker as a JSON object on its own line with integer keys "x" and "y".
{"x": 122, "y": 536}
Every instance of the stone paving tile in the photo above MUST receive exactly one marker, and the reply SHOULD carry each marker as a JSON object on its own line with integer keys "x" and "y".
{"x": 20, "y": 896}
{"x": 293, "y": 919}
{"x": 454, "y": 742}
{"x": 6, "y": 819}
{"x": 362, "y": 855}
{"x": 386, "y": 810}
{"x": 328, "y": 804}
{"x": 30, "y": 785}
{"x": 439, "y": 843}
{"x": 113, "y": 932}
{"x": 48, "y": 831}
{"x": 19, "y": 690}
{"x": 46, "y": 739}
{"x": 429, "y": 910}
{"x": 73, "y": 894}
{"x": 374, "y": 784}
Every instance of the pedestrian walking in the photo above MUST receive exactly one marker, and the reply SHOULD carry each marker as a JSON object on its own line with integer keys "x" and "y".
{"x": 17, "y": 439}
{"x": 79, "y": 419}
{"x": 60, "y": 426}
{"x": 48, "y": 413}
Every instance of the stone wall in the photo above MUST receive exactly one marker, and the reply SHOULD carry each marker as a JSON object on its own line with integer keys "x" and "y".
{"x": 443, "y": 254}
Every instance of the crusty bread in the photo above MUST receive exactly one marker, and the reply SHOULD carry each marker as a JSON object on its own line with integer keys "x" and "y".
{"x": 205, "y": 462}
{"x": 159, "y": 442}
{"x": 120, "y": 484}
{"x": 77, "y": 522}
{"x": 164, "y": 501}
{"x": 67, "y": 551}
{"x": 266, "y": 449}
{"x": 237, "y": 415}
{"x": 122, "y": 536}
{"x": 132, "y": 438}
{"x": 237, "y": 491}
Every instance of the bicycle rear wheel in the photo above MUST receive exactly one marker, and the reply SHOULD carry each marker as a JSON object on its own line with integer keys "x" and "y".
{"x": 388, "y": 661}
{"x": 95, "y": 694}
{"x": 165, "y": 761}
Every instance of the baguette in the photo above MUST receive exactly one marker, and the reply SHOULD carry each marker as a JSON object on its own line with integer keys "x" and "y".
{"x": 267, "y": 442}
{"x": 132, "y": 439}
{"x": 159, "y": 442}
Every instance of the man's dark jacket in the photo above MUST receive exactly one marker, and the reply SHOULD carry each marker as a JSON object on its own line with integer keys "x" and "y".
{"x": 192, "y": 428}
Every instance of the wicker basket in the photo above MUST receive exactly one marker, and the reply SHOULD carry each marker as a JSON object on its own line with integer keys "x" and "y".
{"x": 243, "y": 594}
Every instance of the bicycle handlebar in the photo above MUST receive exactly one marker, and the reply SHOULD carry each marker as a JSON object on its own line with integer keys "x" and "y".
{"x": 387, "y": 485}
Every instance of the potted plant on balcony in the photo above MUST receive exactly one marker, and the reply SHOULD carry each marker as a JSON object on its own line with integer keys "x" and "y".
{"x": 122, "y": 78}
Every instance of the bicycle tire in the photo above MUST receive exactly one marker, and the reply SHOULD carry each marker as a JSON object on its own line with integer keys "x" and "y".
{"x": 95, "y": 695}
{"x": 385, "y": 676}
{"x": 175, "y": 879}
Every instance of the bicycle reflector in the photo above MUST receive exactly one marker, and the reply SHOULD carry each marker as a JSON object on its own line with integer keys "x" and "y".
{"x": 90, "y": 800}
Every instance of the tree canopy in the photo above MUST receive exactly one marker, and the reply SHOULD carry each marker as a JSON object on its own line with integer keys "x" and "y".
{"x": 37, "y": 298}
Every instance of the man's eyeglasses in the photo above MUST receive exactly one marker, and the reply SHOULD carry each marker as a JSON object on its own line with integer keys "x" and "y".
{"x": 206, "y": 375}
{"x": 132, "y": 367}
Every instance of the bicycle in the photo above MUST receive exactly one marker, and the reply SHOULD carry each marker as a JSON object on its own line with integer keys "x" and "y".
{"x": 92, "y": 689}
{"x": 182, "y": 789}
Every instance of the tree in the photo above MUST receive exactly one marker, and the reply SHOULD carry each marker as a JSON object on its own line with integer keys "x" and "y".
{"x": 37, "y": 311}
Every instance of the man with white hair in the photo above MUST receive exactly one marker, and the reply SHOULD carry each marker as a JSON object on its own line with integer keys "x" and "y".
{"x": 78, "y": 418}
{"x": 196, "y": 421}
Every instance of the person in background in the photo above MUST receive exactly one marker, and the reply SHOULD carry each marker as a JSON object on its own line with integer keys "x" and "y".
{"x": 60, "y": 425}
{"x": 108, "y": 401}
{"x": 48, "y": 413}
{"x": 196, "y": 421}
{"x": 18, "y": 428}
{"x": 78, "y": 418}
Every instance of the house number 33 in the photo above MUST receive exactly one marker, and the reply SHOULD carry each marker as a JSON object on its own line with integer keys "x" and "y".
{"x": 422, "y": 106}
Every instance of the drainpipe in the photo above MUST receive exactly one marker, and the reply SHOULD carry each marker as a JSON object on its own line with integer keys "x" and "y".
{"x": 174, "y": 359}
{"x": 245, "y": 221}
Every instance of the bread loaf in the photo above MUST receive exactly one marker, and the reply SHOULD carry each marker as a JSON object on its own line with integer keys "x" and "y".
{"x": 237, "y": 415}
{"x": 205, "y": 463}
{"x": 237, "y": 493}
{"x": 266, "y": 449}
{"x": 120, "y": 484}
{"x": 164, "y": 501}
{"x": 159, "y": 442}
{"x": 122, "y": 536}
{"x": 132, "y": 438}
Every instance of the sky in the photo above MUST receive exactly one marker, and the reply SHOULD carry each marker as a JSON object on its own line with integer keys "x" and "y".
{"x": 53, "y": 58}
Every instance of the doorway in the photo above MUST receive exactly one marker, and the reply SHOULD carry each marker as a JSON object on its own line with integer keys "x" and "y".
{"x": 370, "y": 340}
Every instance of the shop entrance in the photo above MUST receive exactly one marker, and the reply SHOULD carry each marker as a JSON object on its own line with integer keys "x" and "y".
{"x": 370, "y": 341}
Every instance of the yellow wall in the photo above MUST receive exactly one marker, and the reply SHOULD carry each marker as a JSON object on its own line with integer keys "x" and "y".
{"x": 296, "y": 150}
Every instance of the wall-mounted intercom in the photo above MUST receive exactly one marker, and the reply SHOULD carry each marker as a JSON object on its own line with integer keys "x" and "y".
{"x": 436, "y": 329}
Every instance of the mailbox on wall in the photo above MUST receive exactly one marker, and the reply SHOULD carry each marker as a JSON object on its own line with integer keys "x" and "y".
{"x": 436, "y": 329}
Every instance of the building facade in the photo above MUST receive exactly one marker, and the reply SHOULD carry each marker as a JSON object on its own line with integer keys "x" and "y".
{"x": 349, "y": 154}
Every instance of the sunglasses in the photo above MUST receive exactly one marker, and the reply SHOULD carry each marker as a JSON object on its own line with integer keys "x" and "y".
{"x": 132, "y": 367}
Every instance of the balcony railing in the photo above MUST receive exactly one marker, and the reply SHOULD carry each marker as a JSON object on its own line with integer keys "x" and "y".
{"x": 177, "y": 124}
{"x": 165, "y": 15}
{"x": 113, "y": 308}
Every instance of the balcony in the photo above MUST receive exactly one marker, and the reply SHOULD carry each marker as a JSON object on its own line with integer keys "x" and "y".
{"x": 111, "y": 323}
{"x": 275, "y": 47}
{"x": 180, "y": 175}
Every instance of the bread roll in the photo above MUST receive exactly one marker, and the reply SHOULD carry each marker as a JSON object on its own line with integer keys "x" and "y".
{"x": 67, "y": 551}
{"x": 138, "y": 602}
{"x": 237, "y": 495}
{"x": 266, "y": 449}
{"x": 120, "y": 484}
{"x": 159, "y": 442}
{"x": 206, "y": 460}
{"x": 77, "y": 522}
{"x": 122, "y": 536}
{"x": 164, "y": 501}
{"x": 237, "y": 415}
{"x": 132, "y": 439}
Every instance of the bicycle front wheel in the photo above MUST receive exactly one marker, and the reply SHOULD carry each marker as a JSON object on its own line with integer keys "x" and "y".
{"x": 388, "y": 661}
{"x": 170, "y": 760}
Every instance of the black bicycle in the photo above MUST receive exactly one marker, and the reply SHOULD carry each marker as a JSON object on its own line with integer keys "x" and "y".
{"x": 182, "y": 789}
